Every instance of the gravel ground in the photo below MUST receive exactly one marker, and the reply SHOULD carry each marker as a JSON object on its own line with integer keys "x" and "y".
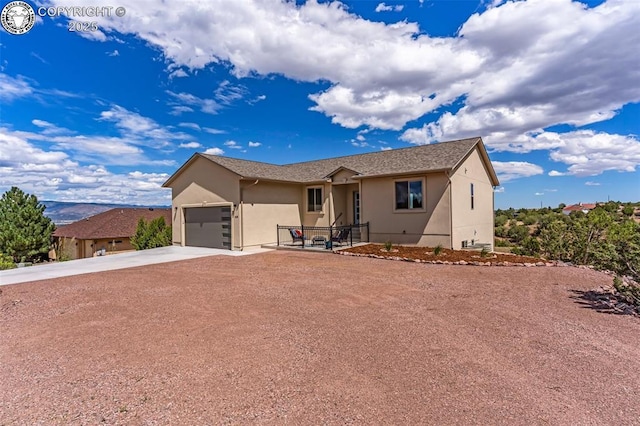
{"x": 294, "y": 338}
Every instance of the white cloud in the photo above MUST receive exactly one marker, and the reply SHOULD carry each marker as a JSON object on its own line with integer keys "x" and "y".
{"x": 232, "y": 144}
{"x": 213, "y": 131}
{"x": 254, "y": 144}
{"x": 51, "y": 174}
{"x": 510, "y": 170}
{"x": 12, "y": 88}
{"x": 113, "y": 53}
{"x": 190, "y": 145}
{"x": 385, "y": 148}
{"x": 192, "y": 126}
{"x": 511, "y": 84}
{"x": 381, "y": 7}
{"x": 179, "y": 73}
{"x": 257, "y": 99}
{"x": 214, "y": 151}
{"x": 554, "y": 173}
{"x": 227, "y": 93}
{"x": 589, "y": 183}
{"x": 187, "y": 100}
{"x": 141, "y": 130}
{"x": 539, "y": 193}
{"x": 499, "y": 189}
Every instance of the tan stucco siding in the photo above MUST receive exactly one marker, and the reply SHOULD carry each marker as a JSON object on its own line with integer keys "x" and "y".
{"x": 472, "y": 224}
{"x": 343, "y": 177}
{"x": 427, "y": 227}
{"x": 202, "y": 183}
{"x": 266, "y": 205}
{"x": 322, "y": 218}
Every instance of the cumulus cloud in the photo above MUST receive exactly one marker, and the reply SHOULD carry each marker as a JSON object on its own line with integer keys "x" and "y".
{"x": 510, "y": 84}
{"x": 214, "y": 151}
{"x": 511, "y": 170}
{"x": 254, "y": 144}
{"x": 190, "y": 145}
{"x": 52, "y": 174}
{"x": 232, "y": 144}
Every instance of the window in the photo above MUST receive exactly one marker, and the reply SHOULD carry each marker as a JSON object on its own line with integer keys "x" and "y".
{"x": 314, "y": 199}
{"x": 471, "y": 196}
{"x": 409, "y": 194}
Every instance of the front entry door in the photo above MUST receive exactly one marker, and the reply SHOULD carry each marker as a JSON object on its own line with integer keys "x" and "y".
{"x": 356, "y": 207}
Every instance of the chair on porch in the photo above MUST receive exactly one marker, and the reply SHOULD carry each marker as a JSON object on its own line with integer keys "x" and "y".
{"x": 341, "y": 236}
{"x": 296, "y": 235}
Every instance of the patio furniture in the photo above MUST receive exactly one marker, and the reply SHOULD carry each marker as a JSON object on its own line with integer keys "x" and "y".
{"x": 296, "y": 235}
{"x": 341, "y": 236}
{"x": 318, "y": 240}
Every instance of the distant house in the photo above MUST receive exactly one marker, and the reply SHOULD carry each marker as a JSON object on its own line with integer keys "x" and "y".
{"x": 106, "y": 232}
{"x": 580, "y": 207}
{"x": 425, "y": 195}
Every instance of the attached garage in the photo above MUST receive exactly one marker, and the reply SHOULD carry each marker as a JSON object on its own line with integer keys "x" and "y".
{"x": 208, "y": 227}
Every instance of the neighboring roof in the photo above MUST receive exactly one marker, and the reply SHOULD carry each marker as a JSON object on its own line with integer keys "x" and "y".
{"x": 424, "y": 158}
{"x": 114, "y": 223}
{"x": 579, "y": 207}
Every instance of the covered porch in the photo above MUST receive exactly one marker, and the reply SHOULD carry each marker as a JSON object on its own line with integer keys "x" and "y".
{"x": 322, "y": 237}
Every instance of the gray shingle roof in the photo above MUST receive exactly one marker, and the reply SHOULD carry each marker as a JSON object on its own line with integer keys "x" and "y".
{"x": 424, "y": 158}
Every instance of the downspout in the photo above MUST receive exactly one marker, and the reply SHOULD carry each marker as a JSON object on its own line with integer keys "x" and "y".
{"x": 242, "y": 212}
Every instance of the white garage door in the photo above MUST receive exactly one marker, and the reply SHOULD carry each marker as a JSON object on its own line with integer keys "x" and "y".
{"x": 208, "y": 227}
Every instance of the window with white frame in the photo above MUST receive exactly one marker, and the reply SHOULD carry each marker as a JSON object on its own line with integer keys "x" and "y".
{"x": 314, "y": 199}
{"x": 409, "y": 194}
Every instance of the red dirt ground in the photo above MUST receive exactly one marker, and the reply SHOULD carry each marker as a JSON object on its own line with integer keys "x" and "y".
{"x": 307, "y": 338}
{"x": 446, "y": 255}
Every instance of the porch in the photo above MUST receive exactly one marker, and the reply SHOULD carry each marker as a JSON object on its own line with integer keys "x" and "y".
{"x": 322, "y": 237}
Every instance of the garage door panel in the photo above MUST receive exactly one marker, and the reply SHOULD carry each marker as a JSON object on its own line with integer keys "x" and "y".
{"x": 208, "y": 227}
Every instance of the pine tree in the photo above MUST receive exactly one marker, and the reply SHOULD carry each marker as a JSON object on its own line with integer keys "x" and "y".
{"x": 25, "y": 232}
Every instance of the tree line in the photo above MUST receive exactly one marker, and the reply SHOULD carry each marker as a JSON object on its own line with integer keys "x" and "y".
{"x": 606, "y": 237}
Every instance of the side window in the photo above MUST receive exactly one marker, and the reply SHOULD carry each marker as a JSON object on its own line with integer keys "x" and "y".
{"x": 409, "y": 194}
{"x": 314, "y": 199}
{"x": 472, "y": 200}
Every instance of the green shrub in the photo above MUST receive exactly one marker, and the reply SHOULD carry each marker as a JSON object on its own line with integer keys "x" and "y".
{"x": 502, "y": 243}
{"x": 388, "y": 246}
{"x": 437, "y": 250}
{"x": 518, "y": 233}
{"x": 484, "y": 252}
{"x": 6, "y": 262}
{"x": 629, "y": 292}
{"x": 501, "y": 220}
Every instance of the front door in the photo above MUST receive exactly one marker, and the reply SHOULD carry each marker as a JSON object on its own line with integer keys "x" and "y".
{"x": 356, "y": 207}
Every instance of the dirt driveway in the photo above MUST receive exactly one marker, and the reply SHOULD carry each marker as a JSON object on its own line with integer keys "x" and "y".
{"x": 306, "y": 338}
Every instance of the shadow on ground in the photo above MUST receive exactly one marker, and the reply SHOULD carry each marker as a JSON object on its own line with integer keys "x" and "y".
{"x": 605, "y": 302}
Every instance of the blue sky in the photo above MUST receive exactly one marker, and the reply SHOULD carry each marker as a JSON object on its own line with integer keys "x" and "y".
{"x": 552, "y": 86}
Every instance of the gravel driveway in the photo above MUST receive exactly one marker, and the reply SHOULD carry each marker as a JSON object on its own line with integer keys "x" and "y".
{"x": 307, "y": 338}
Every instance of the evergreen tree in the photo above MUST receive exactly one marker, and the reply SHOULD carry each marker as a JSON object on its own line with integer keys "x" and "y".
{"x": 25, "y": 232}
{"x": 151, "y": 235}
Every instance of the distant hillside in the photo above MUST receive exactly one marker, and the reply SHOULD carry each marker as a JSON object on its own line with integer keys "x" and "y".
{"x": 62, "y": 213}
